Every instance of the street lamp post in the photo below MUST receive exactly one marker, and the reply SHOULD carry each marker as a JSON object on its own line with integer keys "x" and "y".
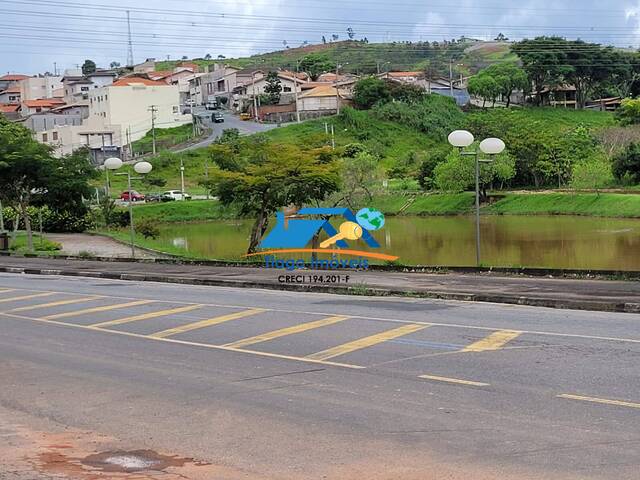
{"x": 490, "y": 146}
{"x": 142, "y": 168}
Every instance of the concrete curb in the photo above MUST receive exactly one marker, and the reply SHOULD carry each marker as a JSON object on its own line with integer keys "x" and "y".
{"x": 601, "y": 306}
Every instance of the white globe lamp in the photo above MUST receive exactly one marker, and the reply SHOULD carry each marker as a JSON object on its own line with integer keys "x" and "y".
{"x": 492, "y": 146}
{"x": 112, "y": 163}
{"x": 461, "y": 138}
{"x": 143, "y": 167}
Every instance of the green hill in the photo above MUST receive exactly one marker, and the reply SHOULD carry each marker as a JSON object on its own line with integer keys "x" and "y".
{"x": 362, "y": 57}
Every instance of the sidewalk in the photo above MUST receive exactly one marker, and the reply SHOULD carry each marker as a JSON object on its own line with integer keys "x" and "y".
{"x": 597, "y": 295}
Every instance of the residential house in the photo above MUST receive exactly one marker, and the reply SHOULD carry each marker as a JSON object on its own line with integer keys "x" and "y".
{"x": 149, "y": 65}
{"x": 77, "y": 86}
{"x": 439, "y": 86}
{"x": 11, "y": 80}
{"x": 11, "y": 112}
{"x": 245, "y": 93}
{"x": 323, "y": 99}
{"x": 31, "y": 107}
{"x": 42, "y": 86}
{"x": 11, "y": 95}
{"x": 220, "y": 82}
{"x": 119, "y": 114}
{"x": 559, "y": 96}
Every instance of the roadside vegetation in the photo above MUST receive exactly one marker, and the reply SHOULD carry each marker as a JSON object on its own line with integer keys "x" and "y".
{"x": 165, "y": 139}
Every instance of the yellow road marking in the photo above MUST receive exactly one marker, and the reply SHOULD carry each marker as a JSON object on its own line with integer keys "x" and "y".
{"x": 366, "y": 342}
{"x": 495, "y": 341}
{"x": 55, "y": 304}
{"x": 105, "y": 308}
{"x": 454, "y": 380}
{"x": 283, "y": 332}
{"x": 183, "y": 342}
{"x": 206, "y": 323}
{"x": 604, "y": 401}
{"x": 145, "y": 316}
{"x": 26, "y": 297}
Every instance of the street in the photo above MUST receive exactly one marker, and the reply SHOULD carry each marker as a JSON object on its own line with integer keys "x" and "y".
{"x": 289, "y": 385}
{"x": 230, "y": 121}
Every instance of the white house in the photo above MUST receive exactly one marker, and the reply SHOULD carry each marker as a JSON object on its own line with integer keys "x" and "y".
{"x": 46, "y": 86}
{"x": 321, "y": 99}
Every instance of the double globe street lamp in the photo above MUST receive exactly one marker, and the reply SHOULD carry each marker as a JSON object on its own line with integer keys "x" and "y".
{"x": 463, "y": 139}
{"x": 141, "y": 168}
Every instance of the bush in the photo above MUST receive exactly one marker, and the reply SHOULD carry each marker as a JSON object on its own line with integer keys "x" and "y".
{"x": 52, "y": 221}
{"x": 592, "y": 173}
{"x": 435, "y": 115}
{"x": 629, "y": 111}
{"x": 369, "y": 91}
{"x": 148, "y": 229}
{"x": 626, "y": 165}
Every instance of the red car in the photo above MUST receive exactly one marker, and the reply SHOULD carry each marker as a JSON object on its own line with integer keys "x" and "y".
{"x": 135, "y": 196}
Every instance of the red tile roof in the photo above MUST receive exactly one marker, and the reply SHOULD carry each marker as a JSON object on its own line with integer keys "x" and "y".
{"x": 127, "y": 81}
{"x": 7, "y": 108}
{"x": 44, "y": 102}
{"x": 405, "y": 74}
{"x": 13, "y": 77}
{"x": 15, "y": 89}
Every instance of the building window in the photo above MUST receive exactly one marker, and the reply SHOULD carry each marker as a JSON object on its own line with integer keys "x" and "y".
{"x": 286, "y": 89}
{"x": 84, "y": 89}
{"x": 105, "y": 98}
{"x": 54, "y": 136}
{"x": 45, "y": 138}
{"x": 176, "y": 109}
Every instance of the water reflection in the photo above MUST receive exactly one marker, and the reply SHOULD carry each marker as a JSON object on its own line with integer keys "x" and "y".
{"x": 537, "y": 241}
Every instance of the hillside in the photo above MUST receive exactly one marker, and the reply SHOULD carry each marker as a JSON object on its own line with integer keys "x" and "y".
{"x": 363, "y": 57}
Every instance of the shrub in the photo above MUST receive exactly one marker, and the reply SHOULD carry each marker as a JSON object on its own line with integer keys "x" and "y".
{"x": 148, "y": 229}
{"x": 626, "y": 165}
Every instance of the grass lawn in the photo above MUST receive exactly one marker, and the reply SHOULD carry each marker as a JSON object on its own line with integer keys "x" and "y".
{"x": 599, "y": 205}
{"x": 19, "y": 245}
{"x": 124, "y": 236}
{"x": 165, "y": 138}
{"x": 190, "y": 211}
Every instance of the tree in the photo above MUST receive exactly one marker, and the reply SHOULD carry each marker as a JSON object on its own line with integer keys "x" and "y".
{"x": 273, "y": 88}
{"x": 25, "y": 166}
{"x": 324, "y": 40}
{"x": 263, "y": 177}
{"x": 501, "y": 38}
{"x": 544, "y": 60}
{"x": 88, "y": 67}
{"x": 316, "y": 64}
{"x": 184, "y": 57}
{"x": 114, "y": 65}
{"x": 369, "y": 91}
{"x": 458, "y": 172}
{"x": 485, "y": 87}
{"x": 507, "y": 78}
{"x": 350, "y": 33}
{"x": 207, "y": 56}
{"x": 335, "y": 37}
{"x": 592, "y": 173}
{"x": 629, "y": 111}
{"x": 626, "y": 165}
{"x": 221, "y": 57}
{"x": 361, "y": 173}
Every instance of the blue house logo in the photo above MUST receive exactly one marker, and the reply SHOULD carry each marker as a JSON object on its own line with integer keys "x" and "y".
{"x": 297, "y": 233}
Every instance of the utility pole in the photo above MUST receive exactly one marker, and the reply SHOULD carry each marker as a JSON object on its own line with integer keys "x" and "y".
{"x": 295, "y": 89}
{"x": 255, "y": 99}
{"x": 451, "y": 76}
{"x": 55, "y": 69}
{"x": 153, "y": 109}
{"x": 333, "y": 138}
{"x": 182, "y": 176}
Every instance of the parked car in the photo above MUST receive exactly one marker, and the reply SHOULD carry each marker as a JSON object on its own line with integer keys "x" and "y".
{"x": 158, "y": 197}
{"x": 135, "y": 196}
{"x": 217, "y": 117}
{"x": 177, "y": 195}
{"x": 211, "y": 106}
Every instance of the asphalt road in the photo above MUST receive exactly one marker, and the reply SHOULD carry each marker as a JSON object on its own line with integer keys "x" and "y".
{"x": 230, "y": 121}
{"x": 286, "y": 385}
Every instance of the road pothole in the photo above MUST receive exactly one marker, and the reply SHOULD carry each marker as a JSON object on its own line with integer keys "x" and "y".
{"x": 133, "y": 461}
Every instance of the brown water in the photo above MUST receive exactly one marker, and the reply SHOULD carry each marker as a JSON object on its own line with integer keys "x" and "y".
{"x": 532, "y": 241}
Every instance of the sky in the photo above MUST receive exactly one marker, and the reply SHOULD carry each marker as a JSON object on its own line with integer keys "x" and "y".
{"x": 40, "y": 35}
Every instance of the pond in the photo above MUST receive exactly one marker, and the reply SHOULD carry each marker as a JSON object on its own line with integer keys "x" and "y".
{"x": 531, "y": 241}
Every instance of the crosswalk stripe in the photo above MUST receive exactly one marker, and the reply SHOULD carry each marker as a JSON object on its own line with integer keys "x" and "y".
{"x": 303, "y": 327}
{"x": 495, "y": 341}
{"x": 26, "y": 297}
{"x": 55, "y": 304}
{"x": 454, "y": 380}
{"x": 604, "y": 401}
{"x": 105, "y": 308}
{"x": 206, "y": 323}
{"x": 366, "y": 342}
{"x": 145, "y": 316}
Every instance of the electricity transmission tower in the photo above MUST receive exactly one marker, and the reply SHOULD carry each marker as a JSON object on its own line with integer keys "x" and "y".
{"x": 130, "y": 42}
